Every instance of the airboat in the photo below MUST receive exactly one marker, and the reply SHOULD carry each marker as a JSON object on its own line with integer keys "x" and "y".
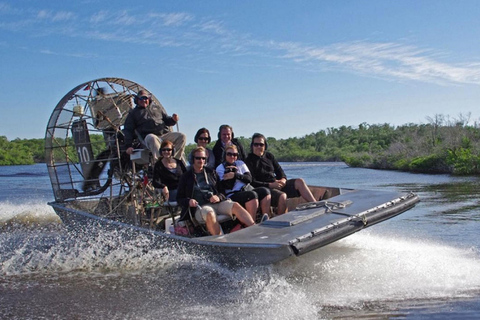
{"x": 95, "y": 183}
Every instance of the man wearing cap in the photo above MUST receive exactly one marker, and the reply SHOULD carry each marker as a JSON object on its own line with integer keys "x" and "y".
{"x": 151, "y": 122}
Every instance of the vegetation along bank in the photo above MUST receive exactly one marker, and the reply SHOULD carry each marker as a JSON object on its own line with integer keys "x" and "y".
{"x": 443, "y": 145}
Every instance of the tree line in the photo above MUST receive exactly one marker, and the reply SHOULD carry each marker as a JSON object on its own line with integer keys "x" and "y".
{"x": 443, "y": 145}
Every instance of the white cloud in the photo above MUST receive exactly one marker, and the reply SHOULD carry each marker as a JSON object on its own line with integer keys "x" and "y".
{"x": 382, "y": 59}
{"x": 75, "y": 55}
{"x": 43, "y": 14}
{"x": 213, "y": 26}
{"x": 390, "y": 60}
{"x": 63, "y": 16}
{"x": 125, "y": 19}
{"x": 176, "y": 19}
{"x": 99, "y": 17}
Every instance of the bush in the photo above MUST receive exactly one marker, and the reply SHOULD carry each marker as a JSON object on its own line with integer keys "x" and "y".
{"x": 463, "y": 161}
{"x": 429, "y": 164}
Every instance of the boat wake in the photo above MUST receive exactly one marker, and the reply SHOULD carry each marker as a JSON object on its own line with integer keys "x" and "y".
{"x": 362, "y": 271}
{"x": 369, "y": 267}
{"x": 32, "y": 213}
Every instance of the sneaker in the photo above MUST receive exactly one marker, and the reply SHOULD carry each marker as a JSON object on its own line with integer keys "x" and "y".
{"x": 264, "y": 218}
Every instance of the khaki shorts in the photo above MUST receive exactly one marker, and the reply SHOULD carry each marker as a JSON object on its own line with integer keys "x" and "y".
{"x": 220, "y": 208}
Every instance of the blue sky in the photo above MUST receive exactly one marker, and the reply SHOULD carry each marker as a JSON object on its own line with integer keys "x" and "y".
{"x": 283, "y": 68}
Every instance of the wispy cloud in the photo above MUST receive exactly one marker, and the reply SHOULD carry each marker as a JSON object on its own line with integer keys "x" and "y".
{"x": 98, "y": 17}
{"x": 58, "y": 16}
{"x": 176, "y": 19}
{"x": 75, "y": 55}
{"x": 209, "y": 36}
{"x": 136, "y": 20}
{"x": 213, "y": 26}
{"x": 394, "y": 60}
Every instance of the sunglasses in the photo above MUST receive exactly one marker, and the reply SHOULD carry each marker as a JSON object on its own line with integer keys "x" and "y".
{"x": 201, "y": 158}
{"x": 258, "y": 144}
{"x": 231, "y": 154}
{"x": 143, "y": 98}
{"x": 203, "y": 138}
{"x": 167, "y": 149}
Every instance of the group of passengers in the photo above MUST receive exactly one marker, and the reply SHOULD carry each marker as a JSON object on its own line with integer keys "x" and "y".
{"x": 222, "y": 181}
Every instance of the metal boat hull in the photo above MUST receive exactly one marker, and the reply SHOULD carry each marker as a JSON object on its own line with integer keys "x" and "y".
{"x": 292, "y": 234}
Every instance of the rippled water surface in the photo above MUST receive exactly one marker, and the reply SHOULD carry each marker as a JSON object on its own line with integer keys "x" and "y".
{"x": 421, "y": 264}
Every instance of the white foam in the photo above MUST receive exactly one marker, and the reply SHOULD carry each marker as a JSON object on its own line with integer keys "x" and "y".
{"x": 363, "y": 267}
{"x": 28, "y": 212}
{"x": 89, "y": 251}
{"x": 366, "y": 267}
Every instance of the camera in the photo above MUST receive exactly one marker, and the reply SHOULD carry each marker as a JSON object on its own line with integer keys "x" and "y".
{"x": 208, "y": 195}
{"x": 230, "y": 169}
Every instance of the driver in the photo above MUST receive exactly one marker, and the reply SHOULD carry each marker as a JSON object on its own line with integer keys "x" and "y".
{"x": 150, "y": 122}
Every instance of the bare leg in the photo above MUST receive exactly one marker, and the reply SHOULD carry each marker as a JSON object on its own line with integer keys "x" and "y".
{"x": 305, "y": 192}
{"x": 242, "y": 215}
{"x": 213, "y": 226}
{"x": 252, "y": 207}
{"x": 265, "y": 204}
{"x": 282, "y": 204}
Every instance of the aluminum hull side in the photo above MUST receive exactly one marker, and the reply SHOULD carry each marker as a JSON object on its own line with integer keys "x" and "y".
{"x": 291, "y": 234}
{"x": 233, "y": 254}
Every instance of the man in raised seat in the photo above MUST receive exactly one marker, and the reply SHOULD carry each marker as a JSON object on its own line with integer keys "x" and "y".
{"x": 151, "y": 122}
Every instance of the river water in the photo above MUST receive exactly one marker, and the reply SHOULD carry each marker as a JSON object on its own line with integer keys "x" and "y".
{"x": 422, "y": 264}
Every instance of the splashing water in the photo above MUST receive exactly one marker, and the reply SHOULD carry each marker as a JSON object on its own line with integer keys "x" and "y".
{"x": 366, "y": 267}
{"x": 116, "y": 275}
{"x": 29, "y": 213}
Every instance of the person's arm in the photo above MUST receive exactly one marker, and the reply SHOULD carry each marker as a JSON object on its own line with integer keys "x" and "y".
{"x": 279, "y": 173}
{"x": 242, "y": 173}
{"x": 170, "y": 120}
{"x": 129, "y": 130}
{"x": 251, "y": 164}
{"x": 244, "y": 177}
{"x": 157, "y": 176}
{"x": 216, "y": 185}
{"x": 221, "y": 183}
{"x": 183, "y": 196}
